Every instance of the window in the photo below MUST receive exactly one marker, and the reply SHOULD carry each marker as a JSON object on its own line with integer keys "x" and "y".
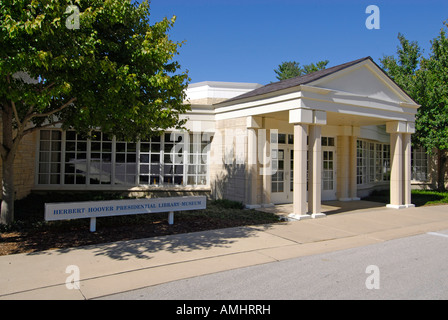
{"x": 328, "y": 170}
{"x": 327, "y": 142}
{"x": 372, "y": 157}
{"x": 100, "y": 159}
{"x": 373, "y": 162}
{"x": 150, "y": 162}
{"x": 75, "y": 158}
{"x": 361, "y": 162}
{"x": 419, "y": 164}
{"x": 278, "y": 165}
{"x": 173, "y": 163}
{"x": 197, "y": 159}
{"x": 173, "y": 159}
{"x": 125, "y": 162}
{"x": 378, "y": 162}
{"x": 386, "y": 162}
{"x": 50, "y": 157}
{"x": 280, "y": 138}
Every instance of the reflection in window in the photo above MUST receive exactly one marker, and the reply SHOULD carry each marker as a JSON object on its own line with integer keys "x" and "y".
{"x": 49, "y": 157}
{"x": 75, "y": 158}
{"x": 100, "y": 159}
{"x": 173, "y": 159}
{"x": 419, "y": 164}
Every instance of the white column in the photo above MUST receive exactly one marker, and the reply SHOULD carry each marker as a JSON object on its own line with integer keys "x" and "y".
{"x": 252, "y": 168}
{"x": 300, "y": 178}
{"x": 353, "y": 186}
{"x": 396, "y": 172}
{"x": 301, "y": 118}
{"x": 343, "y": 168}
{"x": 407, "y": 149}
{"x": 315, "y": 171}
{"x": 252, "y": 201}
{"x": 267, "y": 172}
{"x": 400, "y": 154}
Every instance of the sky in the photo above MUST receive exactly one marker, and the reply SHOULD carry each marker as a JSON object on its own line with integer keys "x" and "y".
{"x": 245, "y": 40}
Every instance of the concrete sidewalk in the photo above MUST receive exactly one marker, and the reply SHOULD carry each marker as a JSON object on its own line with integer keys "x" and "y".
{"x": 121, "y": 266}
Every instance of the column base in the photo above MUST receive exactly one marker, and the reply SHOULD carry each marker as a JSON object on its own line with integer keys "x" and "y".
{"x": 318, "y": 215}
{"x": 396, "y": 206}
{"x": 267, "y": 205}
{"x": 410, "y": 205}
{"x": 298, "y": 217}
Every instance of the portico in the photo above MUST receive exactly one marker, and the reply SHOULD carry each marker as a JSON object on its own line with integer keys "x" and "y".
{"x": 315, "y": 123}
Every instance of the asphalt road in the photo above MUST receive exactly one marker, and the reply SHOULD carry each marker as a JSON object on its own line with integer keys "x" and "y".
{"x": 409, "y": 268}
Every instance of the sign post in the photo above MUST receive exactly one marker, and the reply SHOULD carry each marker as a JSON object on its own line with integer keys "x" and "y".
{"x": 97, "y": 209}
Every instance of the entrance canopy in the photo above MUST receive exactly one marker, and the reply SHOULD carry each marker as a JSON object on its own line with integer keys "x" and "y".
{"x": 345, "y": 97}
{"x": 354, "y": 93}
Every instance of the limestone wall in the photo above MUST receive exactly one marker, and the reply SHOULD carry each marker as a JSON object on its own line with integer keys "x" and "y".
{"x": 24, "y": 165}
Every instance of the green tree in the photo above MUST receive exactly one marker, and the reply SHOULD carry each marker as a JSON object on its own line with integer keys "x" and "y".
{"x": 114, "y": 71}
{"x": 292, "y": 69}
{"x": 403, "y": 69}
{"x": 426, "y": 82}
{"x": 432, "y": 121}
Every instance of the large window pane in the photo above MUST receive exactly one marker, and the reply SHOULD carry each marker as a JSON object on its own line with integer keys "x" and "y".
{"x": 50, "y": 148}
{"x": 173, "y": 159}
{"x": 75, "y": 158}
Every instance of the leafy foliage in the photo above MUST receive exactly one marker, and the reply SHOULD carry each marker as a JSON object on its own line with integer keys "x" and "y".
{"x": 426, "y": 81}
{"x": 292, "y": 69}
{"x": 114, "y": 72}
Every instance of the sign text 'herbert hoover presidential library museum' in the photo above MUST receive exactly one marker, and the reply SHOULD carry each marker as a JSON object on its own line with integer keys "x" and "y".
{"x": 96, "y": 209}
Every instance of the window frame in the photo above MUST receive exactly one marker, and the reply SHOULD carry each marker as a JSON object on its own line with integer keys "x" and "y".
{"x": 132, "y": 153}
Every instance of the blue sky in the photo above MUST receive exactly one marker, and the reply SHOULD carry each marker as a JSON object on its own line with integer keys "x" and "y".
{"x": 245, "y": 40}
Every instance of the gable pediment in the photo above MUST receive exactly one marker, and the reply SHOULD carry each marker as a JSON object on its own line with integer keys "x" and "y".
{"x": 366, "y": 80}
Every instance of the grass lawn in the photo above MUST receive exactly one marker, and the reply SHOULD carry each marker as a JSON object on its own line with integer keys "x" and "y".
{"x": 419, "y": 197}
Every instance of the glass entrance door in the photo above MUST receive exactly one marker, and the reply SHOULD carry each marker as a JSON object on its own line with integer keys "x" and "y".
{"x": 328, "y": 168}
{"x": 281, "y": 179}
{"x": 282, "y": 182}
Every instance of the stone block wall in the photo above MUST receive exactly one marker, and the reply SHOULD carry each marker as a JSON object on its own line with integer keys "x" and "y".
{"x": 24, "y": 165}
{"x": 228, "y": 160}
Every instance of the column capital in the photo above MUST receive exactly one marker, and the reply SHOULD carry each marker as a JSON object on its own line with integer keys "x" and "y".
{"x": 400, "y": 127}
{"x": 349, "y": 131}
{"x": 319, "y": 118}
{"x": 308, "y": 116}
{"x": 304, "y": 116}
{"x": 254, "y": 122}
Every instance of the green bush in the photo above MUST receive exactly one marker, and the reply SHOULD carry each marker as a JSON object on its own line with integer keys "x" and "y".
{"x": 228, "y": 204}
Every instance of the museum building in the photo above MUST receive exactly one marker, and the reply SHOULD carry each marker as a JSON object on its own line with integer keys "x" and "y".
{"x": 335, "y": 134}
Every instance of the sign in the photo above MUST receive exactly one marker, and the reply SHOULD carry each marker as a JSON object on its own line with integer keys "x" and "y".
{"x": 97, "y": 209}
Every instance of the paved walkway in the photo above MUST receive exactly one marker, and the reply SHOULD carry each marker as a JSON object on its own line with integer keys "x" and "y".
{"x": 121, "y": 266}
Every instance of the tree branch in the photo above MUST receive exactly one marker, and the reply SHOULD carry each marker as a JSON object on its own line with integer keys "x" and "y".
{"x": 16, "y": 115}
{"x": 47, "y": 114}
{"x": 47, "y": 87}
{"x": 30, "y": 130}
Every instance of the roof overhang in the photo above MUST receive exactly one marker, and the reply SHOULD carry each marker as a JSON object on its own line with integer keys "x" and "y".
{"x": 339, "y": 92}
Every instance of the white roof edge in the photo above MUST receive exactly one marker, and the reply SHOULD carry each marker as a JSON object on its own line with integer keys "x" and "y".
{"x": 222, "y": 84}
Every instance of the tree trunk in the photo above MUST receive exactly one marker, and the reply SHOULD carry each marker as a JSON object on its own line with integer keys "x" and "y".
{"x": 8, "y": 155}
{"x": 441, "y": 163}
{"x": 7, "y": 208}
